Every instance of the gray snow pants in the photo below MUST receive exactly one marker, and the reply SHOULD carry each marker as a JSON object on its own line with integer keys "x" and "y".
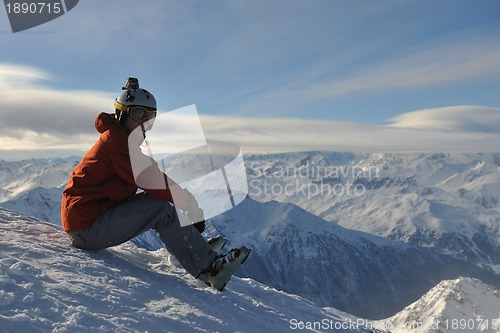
{"x": 136, "y": 216}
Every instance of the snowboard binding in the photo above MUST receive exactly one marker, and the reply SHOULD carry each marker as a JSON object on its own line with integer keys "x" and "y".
{"x": 218, "y": 275}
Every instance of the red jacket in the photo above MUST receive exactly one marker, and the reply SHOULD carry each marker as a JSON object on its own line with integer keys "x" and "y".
{"x": 104, "y": 177}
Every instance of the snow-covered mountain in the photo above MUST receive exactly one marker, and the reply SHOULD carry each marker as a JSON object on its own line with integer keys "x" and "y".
{"x": 19, "y": 177}
{"x": 439, "y": 202}
{"x": 47, "y": 285}
{"x": 34, "y": 186}
{"x": 449, "y": 203}
{"x": 365, "y": 275}
{"x": 463, "y": 304}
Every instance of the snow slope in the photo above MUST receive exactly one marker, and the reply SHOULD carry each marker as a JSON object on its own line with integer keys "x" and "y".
{"x": 46, "y": 285}
{"x": 463, "y": 304}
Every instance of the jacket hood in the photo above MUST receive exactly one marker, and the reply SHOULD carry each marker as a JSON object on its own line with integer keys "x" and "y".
{"x": 105, "y": 121}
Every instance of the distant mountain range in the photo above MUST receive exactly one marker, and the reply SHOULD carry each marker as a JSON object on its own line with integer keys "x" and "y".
{"x": 449, "y": 203}
{"x": 358, "y": 273}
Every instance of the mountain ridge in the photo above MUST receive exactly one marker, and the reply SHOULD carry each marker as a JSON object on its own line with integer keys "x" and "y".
{"x": 294, "y": 250}
{"x": 445, "y": 202}
{"x": 452, "y": 305}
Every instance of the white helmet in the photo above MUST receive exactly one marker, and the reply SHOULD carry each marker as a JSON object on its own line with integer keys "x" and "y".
{"x": 136, "y": 102}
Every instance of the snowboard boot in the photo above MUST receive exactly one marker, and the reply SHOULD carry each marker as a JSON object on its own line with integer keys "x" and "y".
{"x": 217, "y": 243}
{"x": 222, "y": 268}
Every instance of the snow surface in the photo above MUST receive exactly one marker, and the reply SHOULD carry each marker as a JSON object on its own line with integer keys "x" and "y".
{"x": 48, "y": 286}
{"x": 460, "y": 305}
{"x": 447, "y": 203}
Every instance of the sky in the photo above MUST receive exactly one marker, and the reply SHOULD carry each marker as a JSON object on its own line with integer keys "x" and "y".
{"x": 270, "y": 76}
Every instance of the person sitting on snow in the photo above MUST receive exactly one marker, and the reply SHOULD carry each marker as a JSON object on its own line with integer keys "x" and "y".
{"x": 101, "y": 207}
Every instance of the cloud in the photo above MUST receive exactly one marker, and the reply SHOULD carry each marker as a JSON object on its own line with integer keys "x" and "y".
{"x": 466, "y": 118}
{"x": 461, "y": 128}
{"x": 36, "y": 118}
{"x": 432, "y": 65}
{"x": 13, "y": 76}
{"x": 31, "y": 141}
{"x": 27, "y": 106}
